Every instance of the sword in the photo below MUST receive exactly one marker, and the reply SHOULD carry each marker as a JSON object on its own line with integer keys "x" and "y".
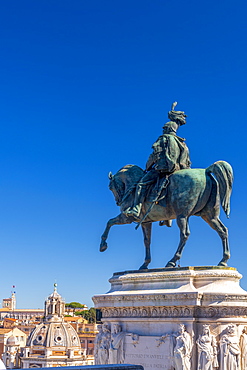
{"x": 155, "y": 201}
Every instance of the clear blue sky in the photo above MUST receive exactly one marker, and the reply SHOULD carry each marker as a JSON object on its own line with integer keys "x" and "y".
{"x": 85, "y": 89}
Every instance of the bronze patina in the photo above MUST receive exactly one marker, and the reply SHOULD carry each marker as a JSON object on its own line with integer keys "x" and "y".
{"x": 169, "y": 189}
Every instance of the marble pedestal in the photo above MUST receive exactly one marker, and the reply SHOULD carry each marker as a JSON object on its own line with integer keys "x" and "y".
{"x": 149, "y": 305}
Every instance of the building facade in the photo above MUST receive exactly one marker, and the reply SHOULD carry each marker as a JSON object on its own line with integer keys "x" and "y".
{"x": 12, "y": 341}
{"x": 9, "y": 310}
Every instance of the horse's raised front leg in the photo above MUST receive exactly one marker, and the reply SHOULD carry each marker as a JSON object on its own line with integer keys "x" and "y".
{"x": 184, "y": 234}
{"x": 222, "y": 231}
{"x": 121, "y": 219}
{"x": 146, "y": 229}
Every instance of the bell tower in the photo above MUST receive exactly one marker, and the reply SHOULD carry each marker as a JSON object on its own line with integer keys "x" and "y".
{"x": 54, "y": 306}
{"x": 10, "y": 302}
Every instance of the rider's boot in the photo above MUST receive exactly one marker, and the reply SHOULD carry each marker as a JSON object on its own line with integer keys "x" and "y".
{"x": 135, "y": 210}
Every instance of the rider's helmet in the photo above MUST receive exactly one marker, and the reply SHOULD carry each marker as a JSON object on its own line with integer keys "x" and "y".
{"x": 170, "y": 128}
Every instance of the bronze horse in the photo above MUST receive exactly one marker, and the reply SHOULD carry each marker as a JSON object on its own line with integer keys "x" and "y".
{"x": 190, "y": 192}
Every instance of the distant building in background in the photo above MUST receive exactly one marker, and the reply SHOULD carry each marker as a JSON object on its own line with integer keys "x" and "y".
{"x": 9, "y": 310}
{"x": 12, "y": 341}
{"x": 9, "y": 303}
{"x": 9, "y": 323}
{"x": 25, "y": 325}
{"x": 11, "y": 356}
{"x": 54, "y": 342}
{"x": 17, "y": 325}
{"x": 71, "y": 310}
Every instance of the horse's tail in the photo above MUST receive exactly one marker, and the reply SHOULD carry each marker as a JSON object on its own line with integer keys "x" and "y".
{"x": 224, "y": 175}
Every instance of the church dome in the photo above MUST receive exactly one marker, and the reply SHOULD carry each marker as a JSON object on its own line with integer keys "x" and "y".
{"x": 54, "y": 342}
{"x": 54, "y": 334}
{"x": 11, "y": 341}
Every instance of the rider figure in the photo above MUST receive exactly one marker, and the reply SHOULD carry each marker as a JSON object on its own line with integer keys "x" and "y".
{"x": 170, "y": 154}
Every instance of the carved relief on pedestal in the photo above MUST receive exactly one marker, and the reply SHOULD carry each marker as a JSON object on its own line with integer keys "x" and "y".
{"x": 207, "y": 350}
{"x": 109, "y": 344}
{"x": 102, "y": 345}
{"x": 116, "y": 350}
{"x": 243, "y": 349}
{"x": 229, "y": 349}
{"x": 180, "y": 347}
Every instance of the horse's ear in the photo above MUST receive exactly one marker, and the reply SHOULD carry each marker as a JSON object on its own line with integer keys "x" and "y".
{"x": 110, "y": 175}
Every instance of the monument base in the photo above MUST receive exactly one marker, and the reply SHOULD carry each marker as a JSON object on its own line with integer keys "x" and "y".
{"x": 157, "y": 318}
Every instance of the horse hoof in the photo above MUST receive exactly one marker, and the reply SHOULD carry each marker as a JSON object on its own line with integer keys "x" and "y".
{"x": 222, "y": 263}
{"x": 103, "y": 246}
{"x": 171, "y": 264}
{"x": 144, "y": 267}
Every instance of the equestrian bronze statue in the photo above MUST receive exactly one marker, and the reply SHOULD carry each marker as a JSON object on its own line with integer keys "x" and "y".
{"x": 169, "y": 189}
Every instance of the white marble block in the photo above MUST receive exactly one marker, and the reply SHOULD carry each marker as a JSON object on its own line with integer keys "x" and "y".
{"x": 174, "y": 318}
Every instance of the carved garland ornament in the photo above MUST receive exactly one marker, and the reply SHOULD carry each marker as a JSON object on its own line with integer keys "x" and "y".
{"x": 157, "y": 312}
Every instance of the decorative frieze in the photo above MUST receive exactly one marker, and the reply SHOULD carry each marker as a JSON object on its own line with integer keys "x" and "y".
{"x": 182, "y": 312}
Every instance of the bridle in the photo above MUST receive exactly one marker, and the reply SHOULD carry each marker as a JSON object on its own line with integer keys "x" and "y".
{"x": 120, "y": 195}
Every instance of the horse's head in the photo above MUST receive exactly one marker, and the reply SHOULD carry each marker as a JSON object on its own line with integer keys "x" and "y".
{"x": 117, "y": 187}
{"x": 125, "y": 178}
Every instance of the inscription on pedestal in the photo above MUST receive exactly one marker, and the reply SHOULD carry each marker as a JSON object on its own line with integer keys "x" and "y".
{"x": 148, "y": 354}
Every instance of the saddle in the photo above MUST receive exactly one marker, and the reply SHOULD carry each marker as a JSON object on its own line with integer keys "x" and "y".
{"x": 157, "y": 191}
{"x": 155, "y": 194}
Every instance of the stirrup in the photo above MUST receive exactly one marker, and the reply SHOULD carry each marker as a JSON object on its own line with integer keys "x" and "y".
{"x": 132, "y": 212}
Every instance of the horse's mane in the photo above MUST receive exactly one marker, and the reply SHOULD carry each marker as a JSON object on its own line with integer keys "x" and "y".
{"x": 134, "y": 172}
{"x": 126, "y": 179}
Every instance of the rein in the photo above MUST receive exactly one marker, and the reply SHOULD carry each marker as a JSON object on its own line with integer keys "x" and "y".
{"x": 131, "y": 189}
